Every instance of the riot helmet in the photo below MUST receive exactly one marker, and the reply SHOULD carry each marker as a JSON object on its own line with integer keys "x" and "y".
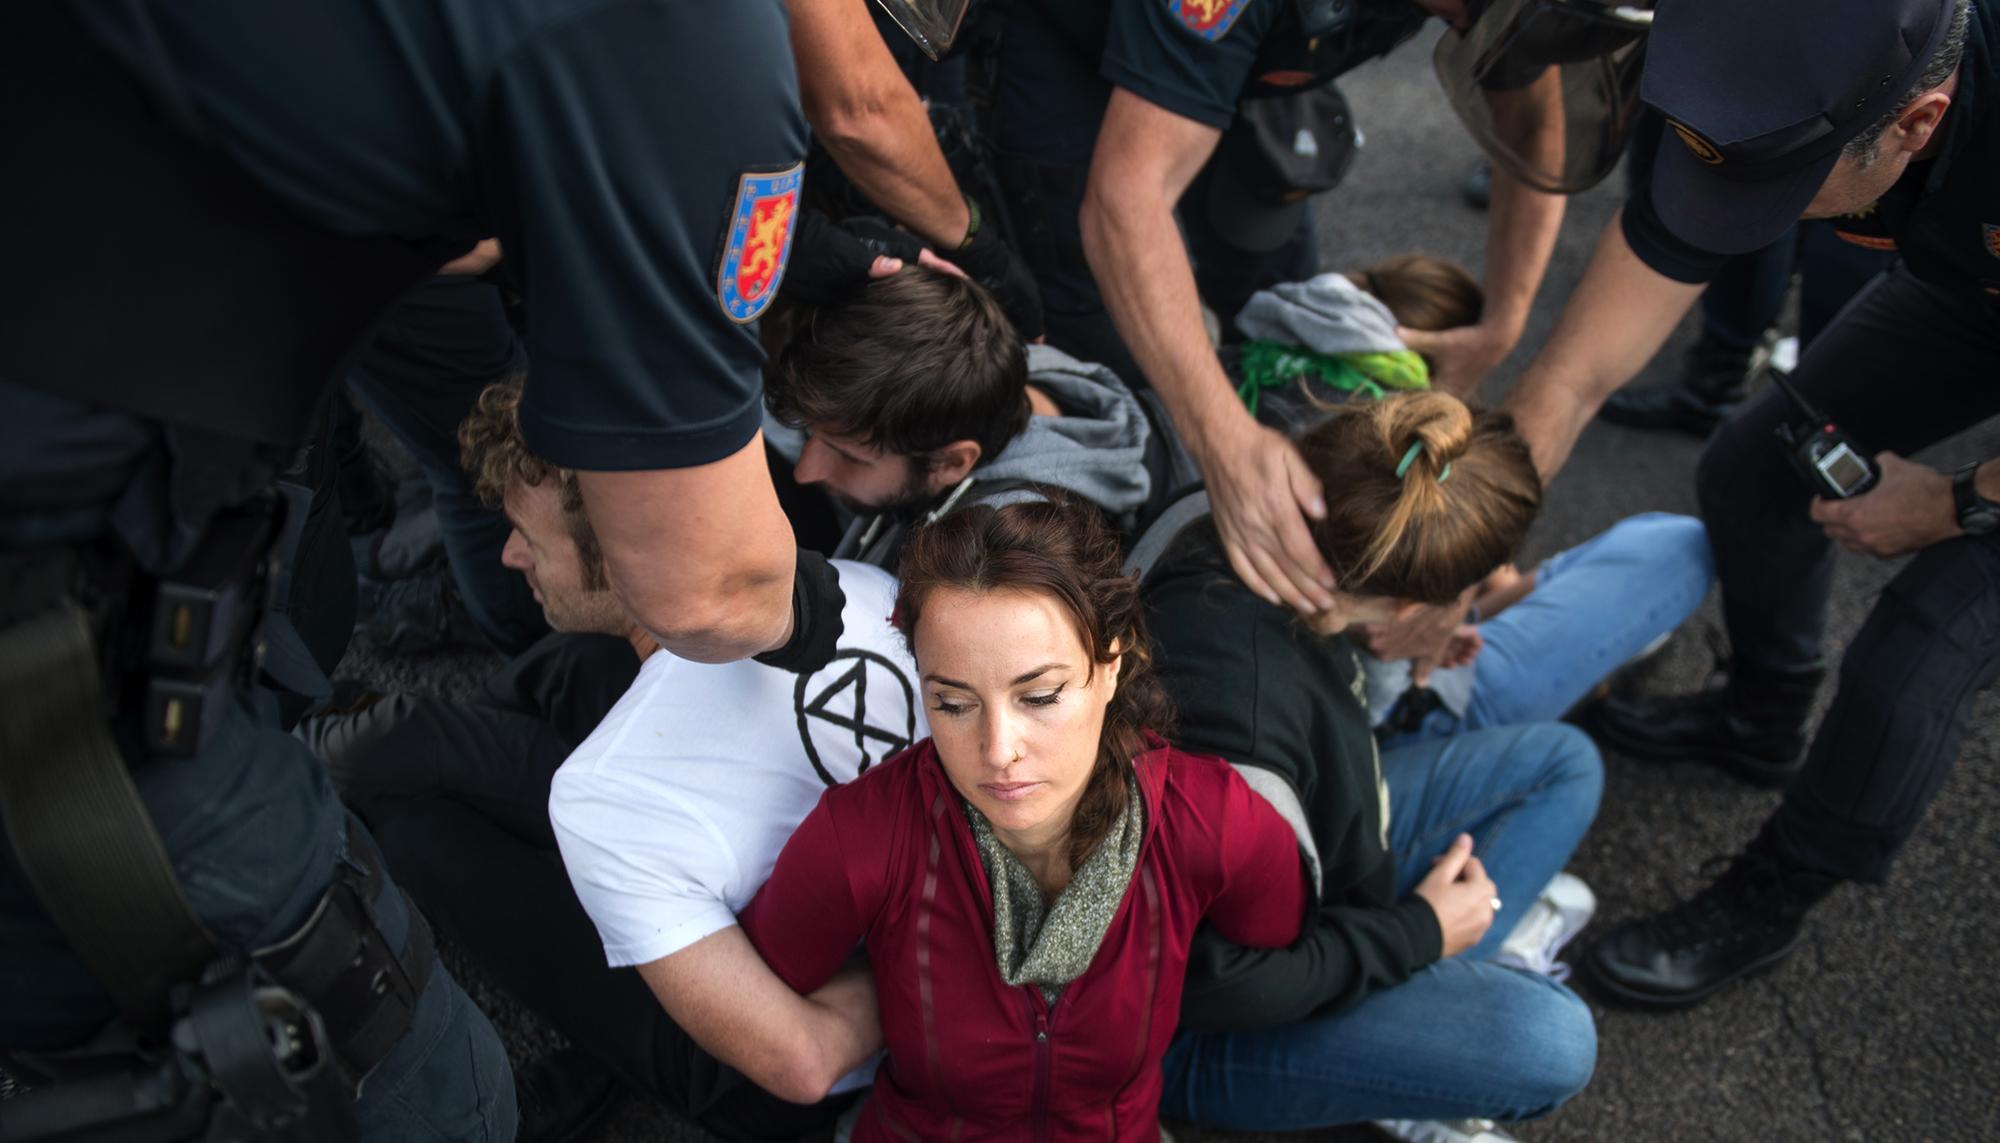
{"x": 1548, "y": 88}
{"x": 933, "y": 24}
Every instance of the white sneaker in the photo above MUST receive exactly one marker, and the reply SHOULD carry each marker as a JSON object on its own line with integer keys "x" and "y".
{"x": 1445, "y": 1130}
{"x": 1560, "y": 913}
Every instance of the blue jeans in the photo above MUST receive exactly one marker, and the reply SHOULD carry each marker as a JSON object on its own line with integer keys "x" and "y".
{"x": 1462, "y": 1037}
{"x": 1594, "y": 607}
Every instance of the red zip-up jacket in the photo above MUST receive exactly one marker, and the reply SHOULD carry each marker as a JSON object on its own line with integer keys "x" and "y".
{"x": 890, "y": 859}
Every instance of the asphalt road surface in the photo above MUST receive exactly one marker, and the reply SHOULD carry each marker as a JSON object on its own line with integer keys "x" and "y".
{"x": 1883, "y": 1025}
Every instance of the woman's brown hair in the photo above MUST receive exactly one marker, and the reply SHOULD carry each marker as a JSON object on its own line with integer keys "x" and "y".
{"x": 1424, "y": 292}
{"x": 1461, "y": 505}
{"x": 1062, "y": 548}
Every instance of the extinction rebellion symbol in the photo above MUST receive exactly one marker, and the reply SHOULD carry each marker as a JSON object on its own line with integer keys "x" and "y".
{"x": 835, "y": 715}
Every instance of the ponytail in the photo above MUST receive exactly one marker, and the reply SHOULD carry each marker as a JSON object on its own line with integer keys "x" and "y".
{"x": 1424, "y": 496}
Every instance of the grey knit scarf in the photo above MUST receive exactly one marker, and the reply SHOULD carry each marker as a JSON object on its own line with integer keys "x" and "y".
{"x": 1046, "y": 943}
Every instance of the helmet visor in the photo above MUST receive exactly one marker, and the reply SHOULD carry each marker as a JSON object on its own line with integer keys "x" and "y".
{"x": 933, "y": 24}
{"x": 1548, "y": 88}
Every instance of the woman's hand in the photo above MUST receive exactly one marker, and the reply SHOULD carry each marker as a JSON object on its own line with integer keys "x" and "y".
{"x": 1459, "y": 892}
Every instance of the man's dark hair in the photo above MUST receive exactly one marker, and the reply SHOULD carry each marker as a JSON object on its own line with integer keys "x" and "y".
{"x": 910, "y": 364}
{"x": 1942, "y": 63}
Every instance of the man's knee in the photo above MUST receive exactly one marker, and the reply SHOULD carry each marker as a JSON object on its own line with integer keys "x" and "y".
{"x": 1674, "y": 540}
{"x": 1743, "y": 464}
{"x": 1555, "y": 1047}
{"x": 1569, "y": 760}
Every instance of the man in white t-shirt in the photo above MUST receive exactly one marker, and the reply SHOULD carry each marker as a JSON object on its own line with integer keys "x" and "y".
{"x": 672, "y": 813}
{"x": 669, "y": 817}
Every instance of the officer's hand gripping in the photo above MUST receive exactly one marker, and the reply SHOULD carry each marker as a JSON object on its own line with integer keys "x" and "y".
{"x": 990, "y": 262}
{"x": 1909, "y": 508}
{"x": 1262, "y": 493}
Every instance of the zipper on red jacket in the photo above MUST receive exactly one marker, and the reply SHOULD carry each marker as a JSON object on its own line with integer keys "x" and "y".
{"x": 1040, "y": 1106}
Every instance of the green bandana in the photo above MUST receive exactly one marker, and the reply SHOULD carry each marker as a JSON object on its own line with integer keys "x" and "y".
{"x": 1271, "y": 364}
{"x": 1049, "y": 944}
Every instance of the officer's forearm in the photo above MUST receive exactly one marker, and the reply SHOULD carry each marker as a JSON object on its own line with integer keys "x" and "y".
{"x": 1617, "y": 318}
{"x": 1986, "y": 481}
{"x": 1136, "y": 255}
{"x": 1146, "y": 156}
{"x": 701, "y": 557}
{"x": 870, "y": 120}
{"x": 1521, "y": 228}
{"x": 1523, "y": 222}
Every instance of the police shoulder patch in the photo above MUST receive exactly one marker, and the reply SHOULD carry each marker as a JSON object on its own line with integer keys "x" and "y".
{"x": 1992, "y": 238}
{"x": 1209, "y": 19}
{"x": 760, "y": 239}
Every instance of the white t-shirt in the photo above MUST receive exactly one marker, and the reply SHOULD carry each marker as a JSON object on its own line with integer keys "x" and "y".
{"x": 671, "y": 815}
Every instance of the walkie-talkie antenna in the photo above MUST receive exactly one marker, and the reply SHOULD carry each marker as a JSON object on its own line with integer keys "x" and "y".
{"x": 1797, "y": 398}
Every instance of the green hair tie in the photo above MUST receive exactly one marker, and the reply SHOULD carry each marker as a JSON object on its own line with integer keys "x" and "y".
{"x": 1410, "y": 456}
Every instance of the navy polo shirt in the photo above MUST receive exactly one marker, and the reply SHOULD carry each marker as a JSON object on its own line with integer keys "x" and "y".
{"x": 1200, "y": 58}
{"x": 636, "y": 159}
{"x": 1942, "y": 217}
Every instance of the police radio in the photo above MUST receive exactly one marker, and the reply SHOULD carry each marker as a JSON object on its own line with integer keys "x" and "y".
{"x": 1829, "y": 460}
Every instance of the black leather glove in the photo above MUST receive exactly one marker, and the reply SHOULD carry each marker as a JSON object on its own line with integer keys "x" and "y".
{"x": 994, "y": 265}
{"x": 830, "y": 260}
{"x": 817, "y": 602}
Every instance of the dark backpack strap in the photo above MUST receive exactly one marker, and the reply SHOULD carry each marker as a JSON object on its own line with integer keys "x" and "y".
{"x": 1164, "y": 530}
{"x": 79, "y": 832}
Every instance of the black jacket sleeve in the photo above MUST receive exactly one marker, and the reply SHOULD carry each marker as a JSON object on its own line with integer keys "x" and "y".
{"x": 1347, "y": 953}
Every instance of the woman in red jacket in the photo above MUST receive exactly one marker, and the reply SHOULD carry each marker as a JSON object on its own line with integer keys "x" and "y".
{"x": 1028, "y": 879}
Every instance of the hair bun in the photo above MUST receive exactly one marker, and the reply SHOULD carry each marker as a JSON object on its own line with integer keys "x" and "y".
{"x": 1439, "y": 422}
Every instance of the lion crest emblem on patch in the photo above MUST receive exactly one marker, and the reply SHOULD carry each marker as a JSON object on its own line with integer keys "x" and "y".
{"x": 761, "y": 225}
{"x": 1209, "y": 19}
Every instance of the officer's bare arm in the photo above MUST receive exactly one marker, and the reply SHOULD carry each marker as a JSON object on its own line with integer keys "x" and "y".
{"x": 1616, "y": 320}
{"x": 702, "y": 557}
{"x": 1145, "y": 158}
{"x": 796, "y": 1047}
{"x": 870, "y": 120}
{"x": 1521, "y": 228}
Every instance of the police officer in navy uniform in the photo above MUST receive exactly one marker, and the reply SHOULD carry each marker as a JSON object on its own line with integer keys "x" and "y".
{"x": 1883, "y": 117}
{"x": 206, "y": 207}
{"x": 1106, "y": 113}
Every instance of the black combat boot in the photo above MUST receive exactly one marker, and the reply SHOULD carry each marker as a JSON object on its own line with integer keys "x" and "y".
{"x": 1714, "y": 380}
{"x": 1746, "y": 921}
{"x": 1754, "y": 725}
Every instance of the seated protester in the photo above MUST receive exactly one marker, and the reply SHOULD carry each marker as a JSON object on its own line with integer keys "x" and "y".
{"x": 1536, "y": 643}
{"x": 916, "y": 396}
{"x": 693, "y": 778}
{"x": 1337, "y": 336}
{"x": 1026, "y": 881}
{"x": 1391, "y": 1007}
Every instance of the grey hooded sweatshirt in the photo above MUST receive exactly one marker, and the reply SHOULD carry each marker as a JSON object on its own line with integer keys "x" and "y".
{"x": 1097, "y": 449}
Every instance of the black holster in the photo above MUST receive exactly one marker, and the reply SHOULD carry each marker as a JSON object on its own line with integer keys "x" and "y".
{"x": 276, "y": 1047}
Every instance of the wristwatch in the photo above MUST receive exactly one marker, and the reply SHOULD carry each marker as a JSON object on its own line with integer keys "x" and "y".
{"x": 972, "y": 221}
{"x": 1976, "y": 514}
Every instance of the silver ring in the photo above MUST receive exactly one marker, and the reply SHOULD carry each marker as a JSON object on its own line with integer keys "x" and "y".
{"x": 1496, "y": 904}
